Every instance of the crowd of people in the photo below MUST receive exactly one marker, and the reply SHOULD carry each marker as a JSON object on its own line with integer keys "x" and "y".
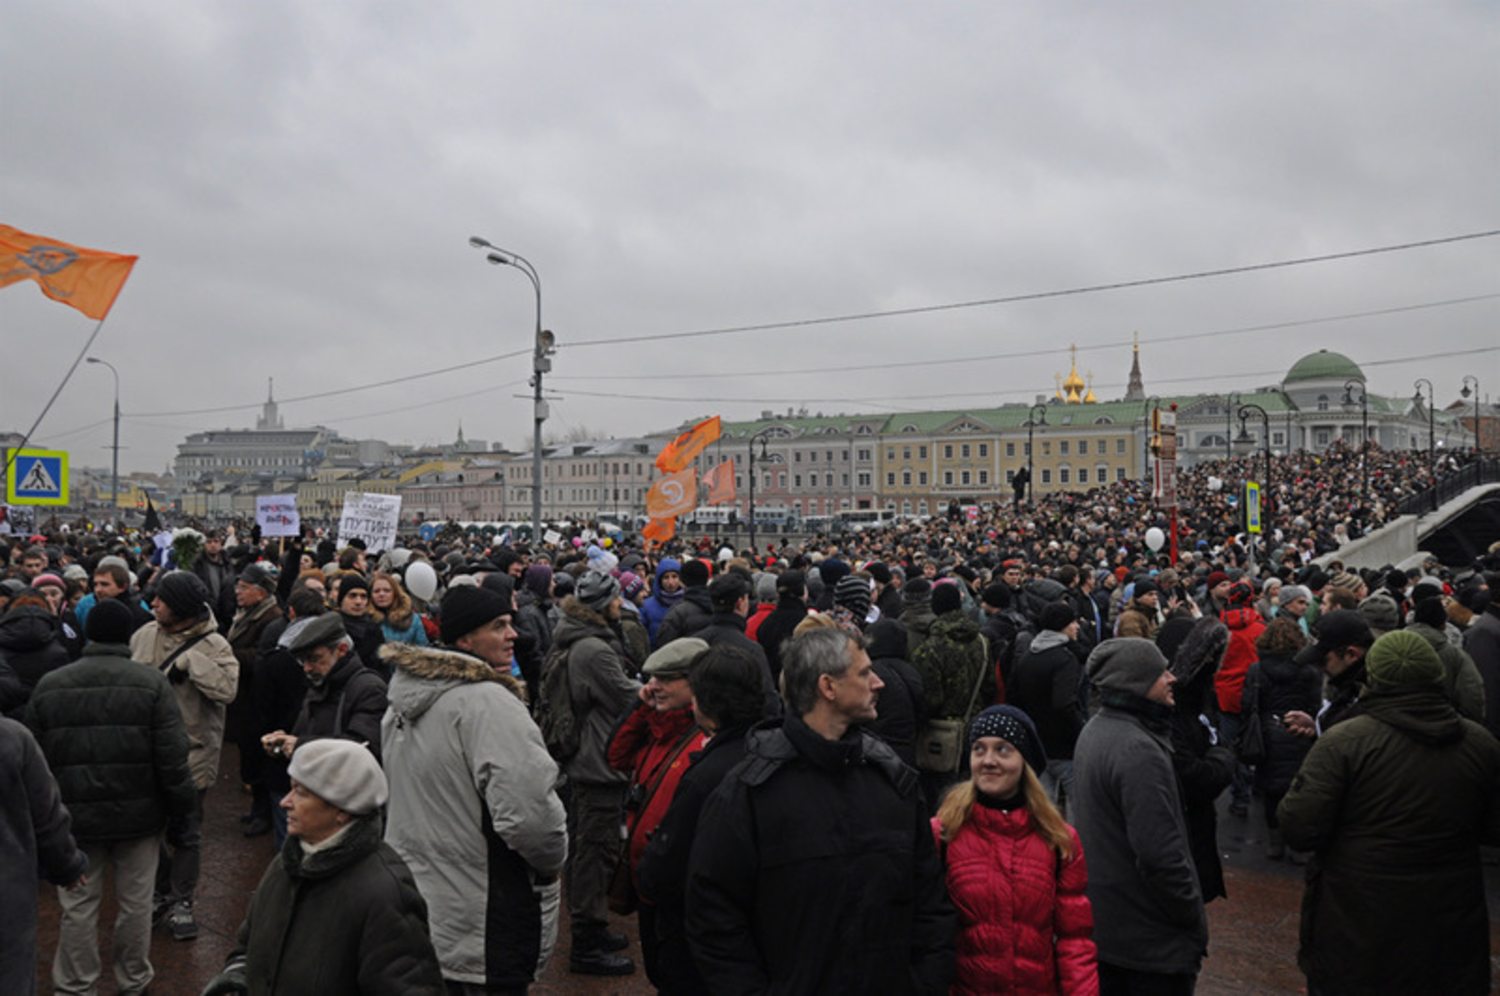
{"x": 971, "y": 754}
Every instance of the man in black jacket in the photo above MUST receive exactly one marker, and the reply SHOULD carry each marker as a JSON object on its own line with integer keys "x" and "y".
{"x": 729, "y": 595}
{"x": 1046, "y": 684}
{"x": 692, "y": 613}
{"x": 344, "y": 699}
{"x": 113, "y": 735}
{"x": 776, "y": 628}
{"x": 814, "y": 868}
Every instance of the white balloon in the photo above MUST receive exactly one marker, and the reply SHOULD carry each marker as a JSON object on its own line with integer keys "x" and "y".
{"x": 421, "y": 580}
{"x": 1154, "y": 539}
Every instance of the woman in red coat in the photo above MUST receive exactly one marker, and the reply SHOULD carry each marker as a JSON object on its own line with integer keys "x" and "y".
{"x": 1015, "y": 870}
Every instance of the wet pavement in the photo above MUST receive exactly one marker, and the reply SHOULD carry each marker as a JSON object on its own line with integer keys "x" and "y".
{"x": 1252, "y": 934}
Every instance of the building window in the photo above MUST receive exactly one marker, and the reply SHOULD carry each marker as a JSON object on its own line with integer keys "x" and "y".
{"x": 1119, "y": 447}
{"x": 947, "y": 451}
{"x": 890, "y": 480}
{"x": 984, "y": 477}
{"x": 890, "y": 452}
{"x": 906, "y": 452}
{"x": 1321, "y": 437}
{"x": 1063, "y": 474}
{"x": 1083, "y": 447}
{"x": 1026, "y": 449}
{"x": 922, "y": 478}
{"x": 864, "y": 480}
{"x": 1278, "y": 439}
{"x": 964, "y": 478}
{"x": 1062, "y": 448}
{"x": 864, "y": 455}
{"x": 906, "y": 478}
{"x": 796, "y": 480}
{"x": 906, "y": 507}
{"x": 796, "y": 456}
{"x": 1322, "y": 402}
{"x": 1046, "y": 475}
{"x": 1046, "y": 447}
{"x": 812, "y": 456}
{"x": 1119, "y": 473}
{"x": 921, "y": 453}
{"x": 1083, "y": 475}
{"x": 948, "y": 478}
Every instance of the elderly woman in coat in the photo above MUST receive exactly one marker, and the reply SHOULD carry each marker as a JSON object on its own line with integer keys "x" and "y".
{"x": 337, "y": 911}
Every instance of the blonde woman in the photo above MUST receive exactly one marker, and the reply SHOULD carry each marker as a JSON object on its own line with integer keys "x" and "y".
{"x": 390, "y": 606}
{"x": 1015, "y": 870}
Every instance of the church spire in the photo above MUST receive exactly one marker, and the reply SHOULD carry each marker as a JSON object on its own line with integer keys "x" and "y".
{"x": 1136, "y": 391}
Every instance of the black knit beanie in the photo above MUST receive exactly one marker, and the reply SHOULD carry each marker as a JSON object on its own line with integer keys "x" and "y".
{"x": 184, "y": 593}
{"x": 109, "y": 622}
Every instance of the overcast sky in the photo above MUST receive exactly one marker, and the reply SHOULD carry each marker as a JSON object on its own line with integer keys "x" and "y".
{"x": 300, "y": 181}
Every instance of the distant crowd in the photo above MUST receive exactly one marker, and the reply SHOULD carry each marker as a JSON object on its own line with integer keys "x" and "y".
{"x": 966, "y": 754}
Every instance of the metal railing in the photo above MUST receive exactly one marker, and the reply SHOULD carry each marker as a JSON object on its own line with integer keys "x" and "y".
{"x": 1450, "y": 486}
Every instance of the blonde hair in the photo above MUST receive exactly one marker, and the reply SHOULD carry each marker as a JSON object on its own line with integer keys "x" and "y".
{"x": 812, "y": 621}
{"x": 400, "y": 612}
{"x": 959, "y": 803}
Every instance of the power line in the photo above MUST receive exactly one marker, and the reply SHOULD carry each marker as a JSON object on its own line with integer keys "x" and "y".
{"x": 1035, "y": 296}
{"x": 1025, "y": 354}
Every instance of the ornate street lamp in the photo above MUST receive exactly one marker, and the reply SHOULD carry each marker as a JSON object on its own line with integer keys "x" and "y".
{"x": 1244, "y": 439}
{"x": 114, "y": 476}
{"x": 1031, "y": 424}
{"x": 1431, "y": 433}
{"x": 1146, "y": 435}
{"x": 1478, "y": 450}
{"x": 1363, "y": 400}
{"x": 762, "y": 437}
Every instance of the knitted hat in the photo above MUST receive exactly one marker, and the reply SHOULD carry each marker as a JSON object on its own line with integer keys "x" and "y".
{"x": 1291, "y": 592}
{"x": 946, "y": 597}
{"x": 765, "y": 588}
{"x": 75, "y": 572}
{"x": 342, "y": 773}
{"x": 1126, "y": 664}
{"x": 631, "y": 585}
{"x": 48, "y": 581}
{"x": 1215, "y": 579}
{"x": 1145, "y": 586}
{"x": 538, "y": 579}
{"x": 793, "y": 583}
{"x": 674, "y": 659}
{"x": 352, "y": 582}
{"x": 258, "y": 574}
{"x": 1345, "y": 580}
{"x": 879, "y": 571}
{"x": 853, "y": 593}
{"x": 1430, "y": 612}
{"x": 1057, "y": 616}
{"x": 1402, "y": 658}
{"x": 917, "y": 591}
{"x": 110, "y": 621}
{"x": 184, "y": 593}
{"x": 997, "y": 595}
{"x": 1011, "y": 724}
{"x": 466, "y": 608}
{"x": 596, "y": 590}
{"x": 1381, "y": 612}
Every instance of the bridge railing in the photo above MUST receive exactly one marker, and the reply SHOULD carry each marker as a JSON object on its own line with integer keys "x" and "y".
{"x": 1450, "y": 486}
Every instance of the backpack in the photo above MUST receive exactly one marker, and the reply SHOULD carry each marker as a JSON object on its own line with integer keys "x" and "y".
{"x": 554, "y": 706}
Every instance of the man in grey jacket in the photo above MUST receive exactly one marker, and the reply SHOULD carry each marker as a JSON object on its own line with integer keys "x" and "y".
{"x": 458, "y": 732}
{"x": 1149, "y": 923}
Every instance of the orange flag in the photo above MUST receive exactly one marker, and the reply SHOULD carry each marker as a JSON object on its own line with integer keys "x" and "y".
{"x": 659, "y": 530}
{"x": 673, "y": 495}
{"x": 720, "y": 483}
{"x": 680, "y": 451}
{"x": 81, "y": 278}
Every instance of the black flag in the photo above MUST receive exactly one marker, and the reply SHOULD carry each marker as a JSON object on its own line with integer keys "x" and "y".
{"x": 153, "y": 521}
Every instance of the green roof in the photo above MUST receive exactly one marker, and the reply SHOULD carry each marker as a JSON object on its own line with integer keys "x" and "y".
{"x": 1324, "y": 365}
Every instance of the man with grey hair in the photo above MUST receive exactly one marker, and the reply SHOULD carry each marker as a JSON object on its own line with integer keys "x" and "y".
{"x": 814, "y": 867}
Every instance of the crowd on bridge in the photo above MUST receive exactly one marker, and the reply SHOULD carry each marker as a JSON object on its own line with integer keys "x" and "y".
{"x": 961, "y": 754}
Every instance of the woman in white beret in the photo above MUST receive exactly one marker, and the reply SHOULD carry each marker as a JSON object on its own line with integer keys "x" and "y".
{"x": 337, "y": 912}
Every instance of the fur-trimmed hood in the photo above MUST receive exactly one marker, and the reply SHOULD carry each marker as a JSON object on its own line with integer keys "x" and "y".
{"x": 1201, "y": 651}
{"x": 578, "y": 621}
{"x": 434, "y": 671}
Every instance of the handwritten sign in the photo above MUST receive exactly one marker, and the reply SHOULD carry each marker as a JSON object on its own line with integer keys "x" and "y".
{"x": 372, "y": 518}
{"x": 552, "y": 536}
{"x": 277, "y": 515}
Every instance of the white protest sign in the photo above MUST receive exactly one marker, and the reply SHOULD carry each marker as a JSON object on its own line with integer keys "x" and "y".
{"x": 372, "y": 518}
{"x": 277, "y": 515}
{"x": 552, "y": 536}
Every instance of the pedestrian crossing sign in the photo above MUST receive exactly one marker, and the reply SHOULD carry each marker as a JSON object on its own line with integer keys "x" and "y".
{"x": 36, "y": 477}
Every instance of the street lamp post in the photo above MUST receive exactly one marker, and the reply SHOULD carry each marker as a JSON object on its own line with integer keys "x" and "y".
{"x": 1245, "y": 411}
{"x": 1478, "y": 450}
{"x": 543, "y": 347}
{"x": 1031, "y": 424}
{"x": 1431, "y": 434}
{"x": 762, "y": 438}
{"x": 114, "y": 474}
{"x": 1230, "y": 400}
{"x": 1363, "y": 400}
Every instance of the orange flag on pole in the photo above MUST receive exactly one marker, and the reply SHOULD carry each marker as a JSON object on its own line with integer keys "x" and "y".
{"x": 673, "y": 495}
{"x": 680, "y": 451}
{"x": 81, "y": 278}
{"x": 720, "y": 483}
{"x": 659, "y": 530}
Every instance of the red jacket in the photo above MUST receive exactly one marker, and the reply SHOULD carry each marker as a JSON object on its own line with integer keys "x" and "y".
{"x": 1024, "y": 922}
{"x": 752, "y": 625}
{"x": 1245, "y": 626}
{"x": 643, "y": 744}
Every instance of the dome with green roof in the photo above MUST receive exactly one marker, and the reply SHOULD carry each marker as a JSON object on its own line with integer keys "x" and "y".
{"x": 1324, "y": 365}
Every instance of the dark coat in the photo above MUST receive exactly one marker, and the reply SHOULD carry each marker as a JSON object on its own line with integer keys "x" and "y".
{"x": 1045, "y": 684}
{"x": 685, "y": 618}
{"x": 218, "y": 576}
{"x": 114, "y": 737}
{"x": 602, "y": 692}
{"x": 950, "y": 661}
{"x": 727, "y": 629}
{"x": 1482, "y": 643}
{"x": 348, "y": 919}
{"x": 902, "y": 707}
{"x": 1395, "y": 804}
{"x": 367, "y": 637}
{"x": 663, "y": 869}
{"x": 777, "y": 628}
{"x": 1204, "y": 769}
{"x": 31, "y": 645}
{"x": 34, "y": 836}
{"x": 1275, "y": 687}
{"x": 814, "y": 870}
{"x": 349, "y": 704}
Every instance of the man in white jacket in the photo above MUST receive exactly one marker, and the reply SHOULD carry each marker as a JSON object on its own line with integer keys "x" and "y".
{"x": 457, "y": 731}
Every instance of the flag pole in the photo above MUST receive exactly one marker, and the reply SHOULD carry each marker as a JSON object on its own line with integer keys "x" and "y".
{"x": 11, "y": 457}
